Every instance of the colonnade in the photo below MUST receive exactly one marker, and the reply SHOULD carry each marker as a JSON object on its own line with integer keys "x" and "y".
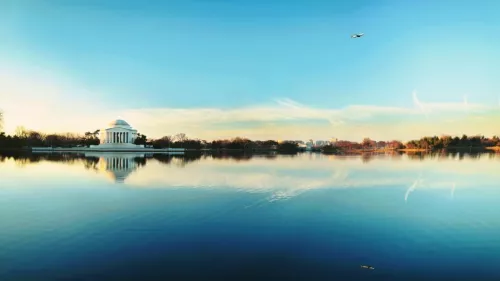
{"x": 118, "y": 137}
{"x": 118, "y": 163}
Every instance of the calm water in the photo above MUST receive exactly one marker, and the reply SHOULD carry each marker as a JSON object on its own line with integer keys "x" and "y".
{"x": 307, "y": 217}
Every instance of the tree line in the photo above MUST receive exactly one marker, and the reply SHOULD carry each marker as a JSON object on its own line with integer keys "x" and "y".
{"x": 30, "y": 138}
{"x": 446, "y": 142}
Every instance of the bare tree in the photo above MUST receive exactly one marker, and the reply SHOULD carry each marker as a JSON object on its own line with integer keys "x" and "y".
{"x": 21, "y": 132}
{"x": 367, "y": 142}
{"x": 167, "y": 139}
{"x": 181, "y": 137}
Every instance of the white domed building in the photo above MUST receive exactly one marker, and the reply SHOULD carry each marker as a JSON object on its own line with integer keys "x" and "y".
{"x": 118, "y": 135}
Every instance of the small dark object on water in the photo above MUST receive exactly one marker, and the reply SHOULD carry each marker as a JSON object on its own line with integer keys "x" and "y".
{"x": 367, "y": 267}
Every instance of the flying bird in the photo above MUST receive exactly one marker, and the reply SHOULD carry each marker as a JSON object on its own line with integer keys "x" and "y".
{"x": 358, "y": 35}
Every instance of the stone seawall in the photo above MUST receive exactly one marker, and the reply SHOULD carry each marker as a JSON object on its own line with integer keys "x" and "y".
{"x": 92, "y": 149}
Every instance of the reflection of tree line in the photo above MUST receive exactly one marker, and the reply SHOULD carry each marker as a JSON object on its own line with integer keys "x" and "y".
{"x": 366, "y": 157}
{"x": 68, "y": 158}
{"x": 91, "y": 162}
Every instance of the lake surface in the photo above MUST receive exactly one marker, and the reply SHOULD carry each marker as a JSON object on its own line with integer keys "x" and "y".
{"x": 303, "y": 217}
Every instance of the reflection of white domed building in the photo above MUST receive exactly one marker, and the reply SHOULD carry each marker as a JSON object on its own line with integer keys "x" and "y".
{"x": 118, "y": 135}
{"x": 117, "y": 166}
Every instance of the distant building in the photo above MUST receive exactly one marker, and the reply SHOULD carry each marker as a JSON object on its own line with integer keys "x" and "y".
{"x": 293, "y": 141}
{"x": 322, "y": 143}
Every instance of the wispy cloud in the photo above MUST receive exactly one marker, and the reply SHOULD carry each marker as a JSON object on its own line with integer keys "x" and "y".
{"x": 41, "y": 101}
{"x": 351, "y": 122}
{"x": 419, "y": 105}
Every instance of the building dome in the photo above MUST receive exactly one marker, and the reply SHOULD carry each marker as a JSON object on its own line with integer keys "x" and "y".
{"x": 119, "y": 122}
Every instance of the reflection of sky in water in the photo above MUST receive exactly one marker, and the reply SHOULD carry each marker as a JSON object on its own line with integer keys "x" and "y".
{"x": 221, "y": 218}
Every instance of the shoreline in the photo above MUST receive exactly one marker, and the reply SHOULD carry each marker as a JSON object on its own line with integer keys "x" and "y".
{"x": 91, "y": 149}
{"x": 413, "y": 149}
{"x": 219, "y": 150}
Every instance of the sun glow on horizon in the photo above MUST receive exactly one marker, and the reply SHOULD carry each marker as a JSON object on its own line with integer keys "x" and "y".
{"x": 41, "y": 103}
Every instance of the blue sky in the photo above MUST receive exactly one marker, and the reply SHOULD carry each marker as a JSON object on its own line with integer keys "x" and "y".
{"x": 144, "y": 61}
